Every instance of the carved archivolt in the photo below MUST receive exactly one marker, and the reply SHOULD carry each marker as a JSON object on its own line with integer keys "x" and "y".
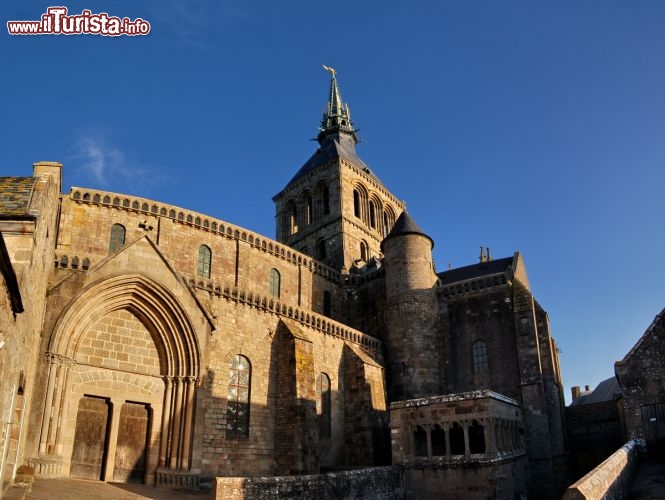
{"x": 152, "y": 303}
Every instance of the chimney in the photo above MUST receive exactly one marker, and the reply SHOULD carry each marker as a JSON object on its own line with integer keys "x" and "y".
{"x": 575, "y": 391}
{"x": 52, "y": 168}
{"x": 587, "y": 388}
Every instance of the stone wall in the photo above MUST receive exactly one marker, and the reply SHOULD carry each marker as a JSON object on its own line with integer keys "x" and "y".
{"x": 239, "y": 258}
{"x": 611, "y": 479}
{"x": 29, "y": 244}
{"x": 486, "y": 316}
{"x": 379, "y": 483}
{"x": 505, "y": 479}
{"x": 641, "y": 375}
{"x": 595, "y": 431}
{"x": 356, "y": 392}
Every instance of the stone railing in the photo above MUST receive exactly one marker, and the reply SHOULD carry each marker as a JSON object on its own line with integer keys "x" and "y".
{"x": 178, "y": 479}
{"x": 46, "y": 466}
{"x": 611, "y": 479}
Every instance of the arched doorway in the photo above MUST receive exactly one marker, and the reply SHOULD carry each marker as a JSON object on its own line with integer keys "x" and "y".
{"x": 123, "y": 372}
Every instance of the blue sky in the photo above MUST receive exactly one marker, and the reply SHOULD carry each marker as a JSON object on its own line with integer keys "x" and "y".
{"x": 520, "y": 125}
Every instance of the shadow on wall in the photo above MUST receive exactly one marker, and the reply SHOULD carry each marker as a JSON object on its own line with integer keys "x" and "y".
{"x": 306, "y": 427}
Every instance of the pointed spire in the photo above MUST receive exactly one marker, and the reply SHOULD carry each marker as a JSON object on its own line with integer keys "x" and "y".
{"x": 337, "y": 118}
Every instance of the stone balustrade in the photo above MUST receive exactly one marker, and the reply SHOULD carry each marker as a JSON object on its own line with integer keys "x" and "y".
{"x": 611, "y": 479}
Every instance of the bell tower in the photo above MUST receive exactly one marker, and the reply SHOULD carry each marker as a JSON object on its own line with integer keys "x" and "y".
{"x": 334, "y": 208}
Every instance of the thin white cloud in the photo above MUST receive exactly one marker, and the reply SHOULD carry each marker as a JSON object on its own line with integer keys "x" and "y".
{"x": 97, "y": 161}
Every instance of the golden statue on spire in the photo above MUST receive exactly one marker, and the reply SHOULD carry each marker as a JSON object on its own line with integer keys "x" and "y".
{"x": 332, "y": 71}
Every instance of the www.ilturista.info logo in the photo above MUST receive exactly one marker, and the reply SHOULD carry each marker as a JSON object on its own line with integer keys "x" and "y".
{"x": 56, "y": 22}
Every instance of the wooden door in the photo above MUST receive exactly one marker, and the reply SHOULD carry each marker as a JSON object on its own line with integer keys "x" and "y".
{"x": 132, "y": 442}
{"x": 653, "y": 420}
{"x": 88, "y": 455}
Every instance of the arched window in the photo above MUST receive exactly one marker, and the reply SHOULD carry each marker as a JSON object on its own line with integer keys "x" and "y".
{"x": 479, "y": 352}
{"x": 205, "y": 258}
{"x": 290, "y": 218}
{"x": 237, "y": 409}
{"x": 438, "y": 437}
{"x": 325, "y": 198}
{"x": 117, "y": 239}
{"x": 327, "y": 303}
{"x": 321, "y": 250}
{"x": 356, "y": 203}
{"x": 323, "y": 407}
{"x": 372, "y": 214}
{"x": 476, "y": 437}
{"x": 274, "y": 287}
{"x": 420, "y": 442}
{"x": 456, "y": 435}
{"x": 388, "y": 220}
{"x": 364, "y": 252}
{"x": 309, "y": 210}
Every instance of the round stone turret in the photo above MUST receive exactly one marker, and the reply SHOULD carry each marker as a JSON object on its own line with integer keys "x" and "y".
{"x": 414, "y": 344}
{"x": 408, "y": 258}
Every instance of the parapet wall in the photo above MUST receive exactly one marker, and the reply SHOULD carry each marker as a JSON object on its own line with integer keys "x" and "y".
{"x": 611, "y": 479}
{"x": 383, "y": 483}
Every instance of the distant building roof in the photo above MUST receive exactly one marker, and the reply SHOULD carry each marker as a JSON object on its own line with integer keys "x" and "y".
{"x": 15, "y": 196}
{"x": 476, "y": 270}
{"x": 607, "y": 390}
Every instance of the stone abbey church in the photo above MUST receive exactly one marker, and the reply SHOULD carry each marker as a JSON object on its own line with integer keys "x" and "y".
{"x": 144, "y": 342}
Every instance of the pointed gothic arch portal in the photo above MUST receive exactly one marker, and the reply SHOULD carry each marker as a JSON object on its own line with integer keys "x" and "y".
{"x": 161, "y": 390}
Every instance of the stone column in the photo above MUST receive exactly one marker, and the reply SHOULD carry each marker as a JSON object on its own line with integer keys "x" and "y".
{"x": 467, "y": 448}
{"x": 48, "y": 404}
{"x": 176, "y": 423}
{"x": 166, "y": 417}
{"x": 58, "y": 402}
{"x": 490, "y": 439}
{"x": 191, "y": 383}
{"x": 428, "y": 430}
{"x": 446, "y": 431}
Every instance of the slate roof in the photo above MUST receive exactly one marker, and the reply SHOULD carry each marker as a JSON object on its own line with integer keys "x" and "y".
{"x": 333, "y": 146}
{"x": 15, "y": 196}
{"x": 475, "y": 270}
{"x": 605, "y": 391}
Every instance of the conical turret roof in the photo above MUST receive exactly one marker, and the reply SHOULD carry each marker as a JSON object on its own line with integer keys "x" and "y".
{"x": 405, "y": 225}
